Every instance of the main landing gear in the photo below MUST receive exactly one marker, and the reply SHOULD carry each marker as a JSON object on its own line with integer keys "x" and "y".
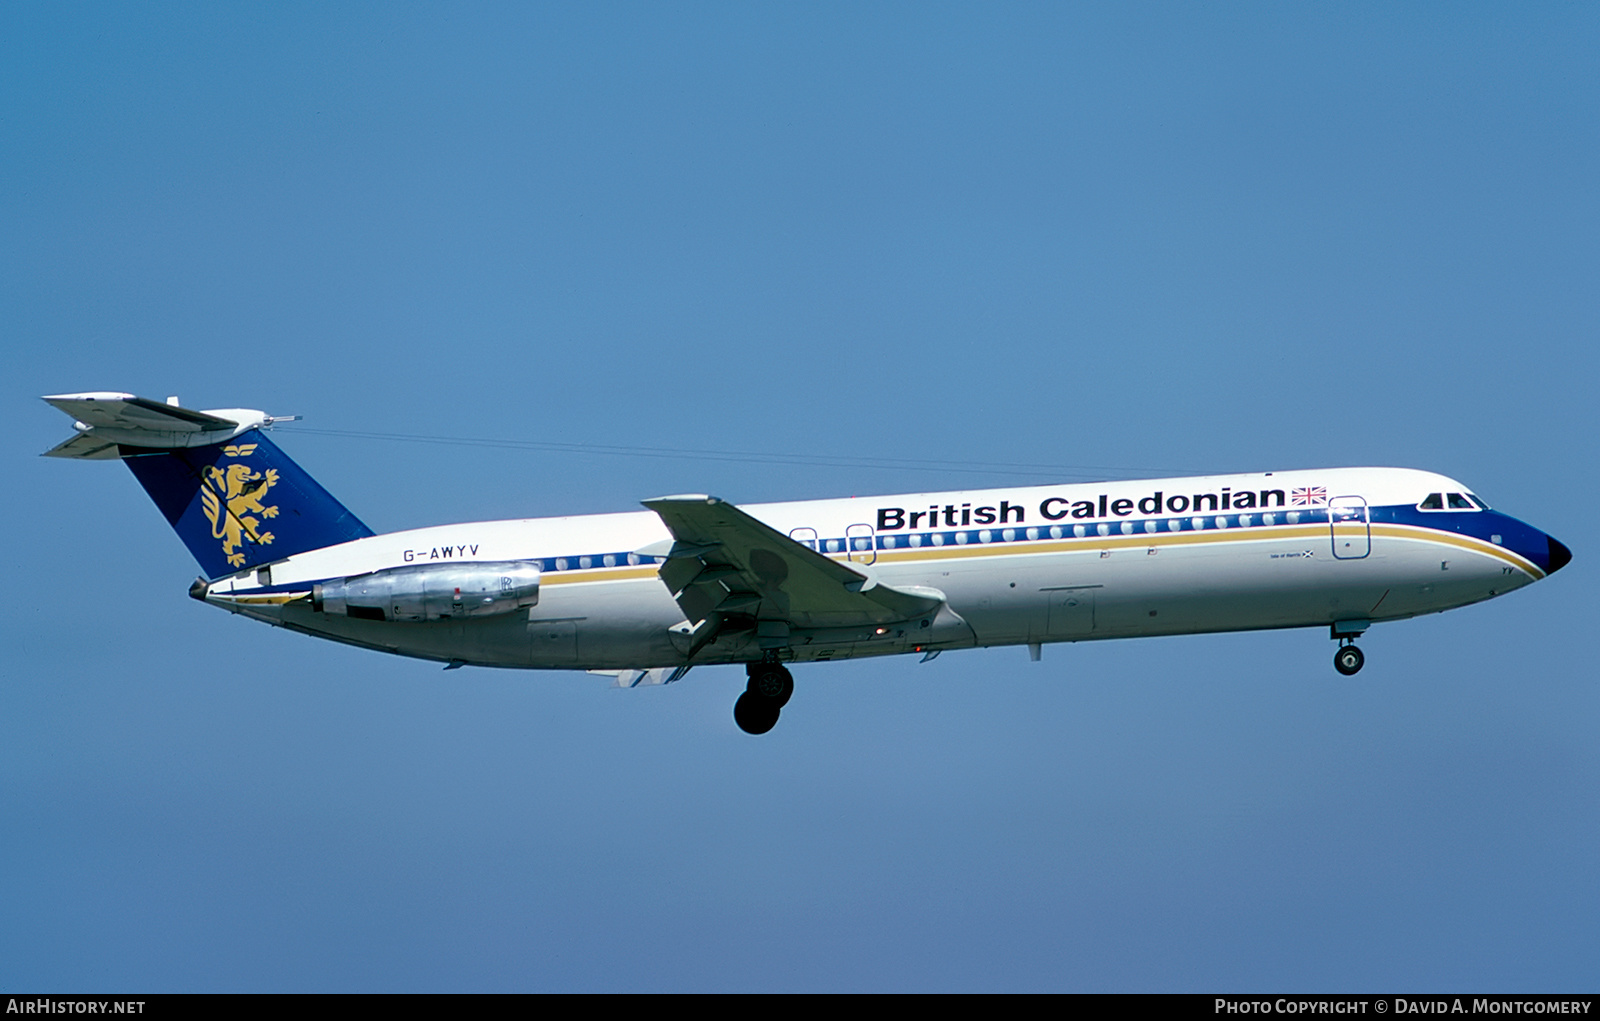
{"x": 767, "y": 692}
{"x": 1348, "y": 659}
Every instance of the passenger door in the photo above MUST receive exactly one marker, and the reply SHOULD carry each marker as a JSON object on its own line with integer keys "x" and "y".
{"x": 1351, "y": 530}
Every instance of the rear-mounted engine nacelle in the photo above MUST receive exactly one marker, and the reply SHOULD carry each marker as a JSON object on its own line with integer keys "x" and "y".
{"x": 436, "y": 592}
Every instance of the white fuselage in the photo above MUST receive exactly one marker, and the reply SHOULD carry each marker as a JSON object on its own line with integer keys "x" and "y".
{"x": 1018, "y": 565}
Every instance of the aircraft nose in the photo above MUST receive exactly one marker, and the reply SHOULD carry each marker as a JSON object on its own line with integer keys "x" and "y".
{"x": 1529, "y": 542}
{"x": 1560, "y": 556}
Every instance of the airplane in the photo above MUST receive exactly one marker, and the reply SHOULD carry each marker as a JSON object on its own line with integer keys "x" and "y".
{"x": 692, "y": 580}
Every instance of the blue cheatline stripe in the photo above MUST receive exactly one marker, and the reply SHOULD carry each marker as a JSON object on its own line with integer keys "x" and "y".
{"x": 1069, "y": 530}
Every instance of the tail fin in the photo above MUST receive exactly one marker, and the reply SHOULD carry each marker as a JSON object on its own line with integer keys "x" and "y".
{"x": 241, "y": 504}
{"x": 233, "y": 497}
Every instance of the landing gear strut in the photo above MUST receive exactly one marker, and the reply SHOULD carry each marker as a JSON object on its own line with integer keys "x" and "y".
{"x": 767, "y": 692}
{"x": 1348, "y": 659}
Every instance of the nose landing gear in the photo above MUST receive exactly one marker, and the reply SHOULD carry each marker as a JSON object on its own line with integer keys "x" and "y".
{"x": 767, "y": 692}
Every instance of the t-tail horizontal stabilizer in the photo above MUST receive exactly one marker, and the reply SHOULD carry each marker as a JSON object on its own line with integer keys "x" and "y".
{"x": 233, "y": 497}
{"x": 106, "y": 420}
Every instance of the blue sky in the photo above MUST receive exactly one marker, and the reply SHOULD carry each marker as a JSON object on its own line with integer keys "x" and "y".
{"x": 1106, "y": 238}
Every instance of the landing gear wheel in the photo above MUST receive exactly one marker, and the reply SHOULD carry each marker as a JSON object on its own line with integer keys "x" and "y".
{"x": 772, "y": 682}
{"x": 1348, "y": 660}
{"x": 754, "y": 714}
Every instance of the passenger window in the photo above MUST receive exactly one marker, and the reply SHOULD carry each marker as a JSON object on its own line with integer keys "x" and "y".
{"x": 1459, "y": 502}
{"x": 1434, "y": 502}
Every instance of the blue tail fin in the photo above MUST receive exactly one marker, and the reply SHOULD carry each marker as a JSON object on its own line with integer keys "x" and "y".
{"x": 241, "y": 503}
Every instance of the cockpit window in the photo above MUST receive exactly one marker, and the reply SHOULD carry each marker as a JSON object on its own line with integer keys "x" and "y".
{"x": 1459, "y": 502}
{"x": 1435, "y": 501}
{"x": 1477, "y": 501}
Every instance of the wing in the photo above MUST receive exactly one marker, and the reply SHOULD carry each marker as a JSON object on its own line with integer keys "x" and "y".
{"x": 726, "y": 566}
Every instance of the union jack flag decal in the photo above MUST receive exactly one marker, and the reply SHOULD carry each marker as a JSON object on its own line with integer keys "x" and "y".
{"x": 1310, "y": 497}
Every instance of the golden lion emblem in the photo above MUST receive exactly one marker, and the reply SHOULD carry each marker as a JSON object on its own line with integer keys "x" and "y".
{"x": 232, "y": 499}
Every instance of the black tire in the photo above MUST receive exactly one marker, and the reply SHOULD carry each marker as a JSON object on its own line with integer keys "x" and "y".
{"x": 754, "y": 714}
{"x": 1348, "y": 660}
{"x": 772, "y": 683}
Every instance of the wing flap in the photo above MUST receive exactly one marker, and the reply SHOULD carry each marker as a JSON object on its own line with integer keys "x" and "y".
{"x": 639, "y": 677}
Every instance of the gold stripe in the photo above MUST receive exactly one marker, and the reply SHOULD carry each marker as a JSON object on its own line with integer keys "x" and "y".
{"x": 1253, "y": 534}
{"x": 1100, "y": 542}
{"x": 600, "y": 574}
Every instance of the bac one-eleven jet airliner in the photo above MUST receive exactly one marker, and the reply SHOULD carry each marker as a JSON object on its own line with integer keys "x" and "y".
{"x": 691, "y": 580}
